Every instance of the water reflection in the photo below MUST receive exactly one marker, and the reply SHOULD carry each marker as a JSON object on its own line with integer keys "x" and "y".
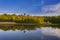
{"x": 29, "y": 33}
{"x": 6, "y": 28}
{"x": 49, "y": 32}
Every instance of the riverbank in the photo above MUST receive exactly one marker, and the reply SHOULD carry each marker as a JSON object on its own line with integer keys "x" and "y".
{"x": 7, "y": 23}
{"x": 14, "y": 23}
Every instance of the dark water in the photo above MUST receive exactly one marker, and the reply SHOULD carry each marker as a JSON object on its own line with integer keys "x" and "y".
{"x": 29, "y": 33}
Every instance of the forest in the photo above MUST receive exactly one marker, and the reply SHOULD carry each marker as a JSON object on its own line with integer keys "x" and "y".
{"x": 29, "y": 19}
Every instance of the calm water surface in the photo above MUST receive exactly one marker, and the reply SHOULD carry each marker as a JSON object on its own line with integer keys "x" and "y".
{"x": 29, "y": 33}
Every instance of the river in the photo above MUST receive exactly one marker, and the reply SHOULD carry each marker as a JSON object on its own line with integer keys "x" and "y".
{"x": 29, "y": 33}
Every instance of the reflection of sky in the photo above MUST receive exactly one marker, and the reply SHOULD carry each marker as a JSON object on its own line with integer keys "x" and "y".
{"x": 20, "y": 35}
{"x": 44, "y": 33}
{"x": 51, "y": 31}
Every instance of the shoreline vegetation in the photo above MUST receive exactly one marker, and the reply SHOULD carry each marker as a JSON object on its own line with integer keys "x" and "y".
{"x": 28, "y": 19}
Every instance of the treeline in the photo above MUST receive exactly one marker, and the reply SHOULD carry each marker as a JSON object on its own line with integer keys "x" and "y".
{"x": 19, "y": 18}
{"x": 30, "y": 19}
{"x": 52, "y": 19}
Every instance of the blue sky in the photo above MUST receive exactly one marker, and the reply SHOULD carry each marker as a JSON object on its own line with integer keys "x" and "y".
{"x": 35, "y": 7}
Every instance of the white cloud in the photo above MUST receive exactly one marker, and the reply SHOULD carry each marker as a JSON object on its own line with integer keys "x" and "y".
{"x": 51, "y": 10}
{"x": 50, "y": 31}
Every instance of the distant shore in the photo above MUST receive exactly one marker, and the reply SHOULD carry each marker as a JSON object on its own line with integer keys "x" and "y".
{"x": 14, "y": 23}
{"x": 7, "y": 23}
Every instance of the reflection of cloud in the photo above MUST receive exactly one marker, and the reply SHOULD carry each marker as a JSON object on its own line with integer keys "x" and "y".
{"x": 51, "y": 31}
{"x": 51, "y": 9}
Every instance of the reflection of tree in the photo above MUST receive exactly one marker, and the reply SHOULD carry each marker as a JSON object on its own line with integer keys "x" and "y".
{"x": 24, "y": 31}
{"x": 55, "y": 26}
{"x": 25, "y": 27}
